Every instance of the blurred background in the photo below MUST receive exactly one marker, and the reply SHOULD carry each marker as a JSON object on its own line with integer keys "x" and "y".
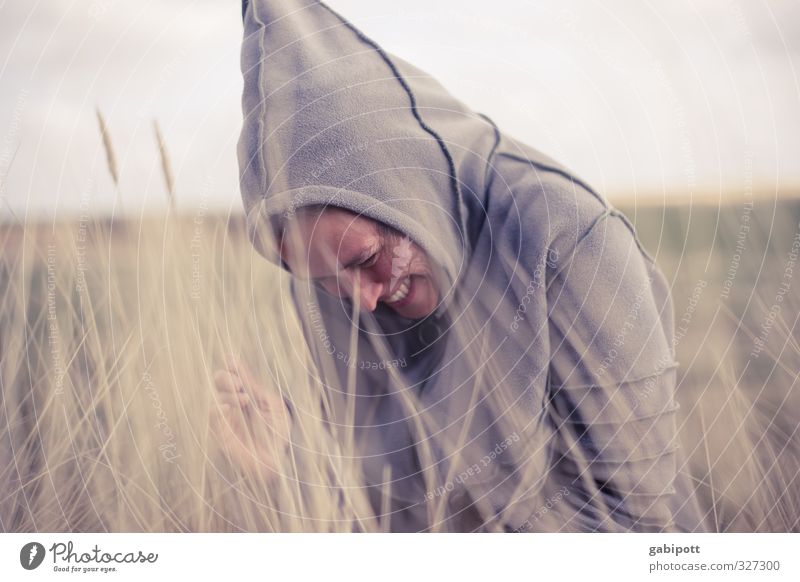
{"x": 655, "y": 102}
{"x": 125, "y": 274}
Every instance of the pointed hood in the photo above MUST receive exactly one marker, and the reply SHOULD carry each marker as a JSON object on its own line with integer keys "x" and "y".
{"x": 331, "y": 118}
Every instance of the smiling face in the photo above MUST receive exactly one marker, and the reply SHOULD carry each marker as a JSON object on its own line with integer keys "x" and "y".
{"x": 355, "y": 257}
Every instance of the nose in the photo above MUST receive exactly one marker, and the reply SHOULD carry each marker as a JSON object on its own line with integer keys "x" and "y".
{"x": 369, "y": 292}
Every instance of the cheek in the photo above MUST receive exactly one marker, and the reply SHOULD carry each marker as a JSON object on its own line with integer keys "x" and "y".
{"x": 431, "y": 296}
{"x": 423, "y": 267}
{"x": 382, "y": 269}
{"x": 419, "y": 261}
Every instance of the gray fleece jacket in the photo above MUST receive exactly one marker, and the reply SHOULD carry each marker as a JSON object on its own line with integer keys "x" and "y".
{"x": 540, "y": 394}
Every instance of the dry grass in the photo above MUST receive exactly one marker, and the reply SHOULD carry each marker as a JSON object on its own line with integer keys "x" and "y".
{"x": 107, "y": 384}
{"x": 110, "y": 334}
{"x": 740, "y": 404}
{"x": 166, "y": 166}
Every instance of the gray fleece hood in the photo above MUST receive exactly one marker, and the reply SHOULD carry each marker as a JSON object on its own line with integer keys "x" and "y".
{"x": 331, "y": 118}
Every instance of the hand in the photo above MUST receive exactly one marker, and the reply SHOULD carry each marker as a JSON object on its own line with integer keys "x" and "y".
{"x": 249, "y": 421}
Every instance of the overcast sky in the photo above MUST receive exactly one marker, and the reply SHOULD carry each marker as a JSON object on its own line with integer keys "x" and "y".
{"x": 637, "y": 97}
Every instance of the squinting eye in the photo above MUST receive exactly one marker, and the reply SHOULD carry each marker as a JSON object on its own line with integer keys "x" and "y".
{"x": 365, "y": 264}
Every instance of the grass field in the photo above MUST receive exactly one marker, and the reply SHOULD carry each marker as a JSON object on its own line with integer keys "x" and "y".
{"x": 110, "y": 335}
{"x": 736, "y": 291}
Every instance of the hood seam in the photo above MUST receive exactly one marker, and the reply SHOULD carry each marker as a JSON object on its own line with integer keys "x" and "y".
{"x": 560, "y": 172}
{"x": 415, "y": 111}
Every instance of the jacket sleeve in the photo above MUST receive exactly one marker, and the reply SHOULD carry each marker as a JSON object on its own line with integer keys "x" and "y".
{"x": 611, "y": 382}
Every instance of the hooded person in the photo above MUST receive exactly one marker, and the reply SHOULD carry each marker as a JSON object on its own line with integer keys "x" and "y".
{"x": 539, "y": 394}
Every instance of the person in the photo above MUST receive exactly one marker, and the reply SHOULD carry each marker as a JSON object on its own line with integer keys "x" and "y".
{"x": 502, "y": 341}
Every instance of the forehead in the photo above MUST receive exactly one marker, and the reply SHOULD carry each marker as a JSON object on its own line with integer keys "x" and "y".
{"x": 316, "y": 241}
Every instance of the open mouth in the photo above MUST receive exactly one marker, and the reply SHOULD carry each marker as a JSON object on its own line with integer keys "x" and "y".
{"x": 401, "y": 294}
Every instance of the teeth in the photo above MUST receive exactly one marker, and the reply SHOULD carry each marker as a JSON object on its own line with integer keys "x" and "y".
{"x": 401, "y": 292}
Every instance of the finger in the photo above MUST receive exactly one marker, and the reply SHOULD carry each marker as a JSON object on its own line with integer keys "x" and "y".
{"x": 264, "y": 399}
{"x": 234, "y": 399}
{"x": 233, "y": 363}
{"x": 229, "y": 358}
{"x": 272, "y": 404}
{"x": 238, "y": 367}
{"x": 227, "y": 382}
{"x": 274, "y": 415}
